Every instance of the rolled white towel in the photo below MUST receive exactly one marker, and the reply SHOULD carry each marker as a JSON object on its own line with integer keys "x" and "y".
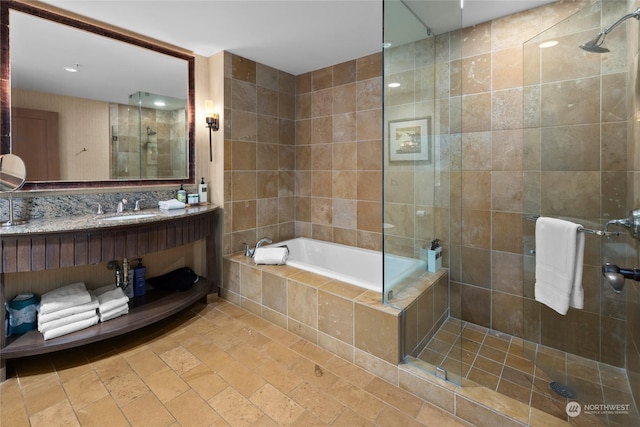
{"x": 271, "y": 255}
{"x": 60, "y": 314}
{"x": 71, "y": 327}
{"x": 112, "y": 314}
{"x": 64, "y": 297}
{"x": 171, "y": 204}
{"x": 110, "y": 297}
{"x": 53, "y": 324}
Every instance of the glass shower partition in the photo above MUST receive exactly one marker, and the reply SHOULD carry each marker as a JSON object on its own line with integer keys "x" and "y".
{"x": 419, "y": 122}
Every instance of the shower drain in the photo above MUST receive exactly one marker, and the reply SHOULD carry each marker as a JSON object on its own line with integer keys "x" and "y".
{"x": 561, "y": 389}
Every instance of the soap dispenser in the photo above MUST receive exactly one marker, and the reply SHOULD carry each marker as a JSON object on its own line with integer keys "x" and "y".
{"x": 181, "y": 195}
{"x": 139, "y": 279}
{"x": 202, "y": 192}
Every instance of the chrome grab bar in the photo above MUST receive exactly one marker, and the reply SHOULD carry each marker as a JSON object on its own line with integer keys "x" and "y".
{"x": 604, "y": 233}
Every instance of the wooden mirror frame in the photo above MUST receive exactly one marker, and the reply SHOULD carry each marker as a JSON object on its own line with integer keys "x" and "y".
{"x": 5, "y": 97}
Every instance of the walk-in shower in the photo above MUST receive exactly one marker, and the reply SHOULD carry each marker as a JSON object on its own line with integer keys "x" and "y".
{"x": 595, "y": 45}
{"x": 521, "y": 127}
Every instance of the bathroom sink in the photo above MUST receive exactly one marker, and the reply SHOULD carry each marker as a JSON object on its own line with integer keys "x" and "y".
{"x": 128, "y": 217}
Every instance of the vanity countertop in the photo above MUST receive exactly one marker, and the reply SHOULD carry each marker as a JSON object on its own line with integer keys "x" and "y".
{"x": 88, "y": 222}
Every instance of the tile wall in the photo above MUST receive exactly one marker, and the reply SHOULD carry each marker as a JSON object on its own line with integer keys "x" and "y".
{"x": 338, "y": 153}
{"x": 303, "y": 154}
{"x": 500, "y": 86}
{"x": 259, "y": 153}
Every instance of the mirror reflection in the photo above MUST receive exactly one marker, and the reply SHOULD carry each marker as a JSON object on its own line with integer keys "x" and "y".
{"x": 13, "y": 173}
{"x": 85, "y": 107}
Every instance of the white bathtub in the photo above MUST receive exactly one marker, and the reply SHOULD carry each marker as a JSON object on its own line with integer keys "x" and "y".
{"x": 360, "y": 267}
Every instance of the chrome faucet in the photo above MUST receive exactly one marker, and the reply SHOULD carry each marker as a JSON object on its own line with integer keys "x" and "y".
{"x": 121, "y": 204}
{"x": 631, "y": 223}
{"x": 251, "y": 251}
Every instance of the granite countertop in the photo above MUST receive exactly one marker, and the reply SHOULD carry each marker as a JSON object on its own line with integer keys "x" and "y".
{"x": 94, "y": 221}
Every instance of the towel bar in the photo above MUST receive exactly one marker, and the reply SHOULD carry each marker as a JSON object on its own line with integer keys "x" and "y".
{"x": 584, "y": 230}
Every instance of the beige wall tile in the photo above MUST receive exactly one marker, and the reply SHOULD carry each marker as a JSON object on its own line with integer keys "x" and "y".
{"x": 377, "y": 332}
{"x": 507, "y": 68}
{"x": 335, "y": 316}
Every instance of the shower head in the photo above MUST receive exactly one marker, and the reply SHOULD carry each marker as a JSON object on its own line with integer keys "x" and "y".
{"x": 150, "y": 132}
{"x": 595, "y": 45}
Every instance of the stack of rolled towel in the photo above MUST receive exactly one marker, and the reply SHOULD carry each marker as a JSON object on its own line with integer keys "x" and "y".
{"x": 171, "y": 204}
{"x": 66, "y": 309}
{"x": 112, "y": 302}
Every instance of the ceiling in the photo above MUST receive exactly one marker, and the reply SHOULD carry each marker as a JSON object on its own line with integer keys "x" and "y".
{"x": 295, "y": 36}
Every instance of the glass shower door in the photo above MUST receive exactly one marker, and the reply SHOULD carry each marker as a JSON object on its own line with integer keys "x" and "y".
{"x": 417, "y": 159}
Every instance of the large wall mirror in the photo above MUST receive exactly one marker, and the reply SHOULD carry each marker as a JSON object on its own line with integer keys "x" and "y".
{"x": 86, "y": 106}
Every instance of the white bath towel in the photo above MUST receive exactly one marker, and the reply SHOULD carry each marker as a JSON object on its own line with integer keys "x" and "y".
{"x": 112, "y": 314}
{"x": 110, "y": 297}
{"x": 64, "y": 297}
{"x": 72, "y": 327}
{"x": 92, "y": 305}
{"x": 559, "y": 259}
{"x": 53, "y": 324}
{"x": 171, "y": 204}
{"x": 275, "y": 256}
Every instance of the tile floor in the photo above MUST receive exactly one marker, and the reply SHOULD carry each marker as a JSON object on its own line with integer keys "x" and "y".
{"x": 214, "y": 364}
{"x": 497, "y": 361}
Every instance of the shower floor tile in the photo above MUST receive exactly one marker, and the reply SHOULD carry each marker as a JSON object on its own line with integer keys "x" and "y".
{"x": 505, "y": 364}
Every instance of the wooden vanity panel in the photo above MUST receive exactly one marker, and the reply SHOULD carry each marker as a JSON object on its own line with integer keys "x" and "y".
{"x": 67, "y": 251}
{"x": 58, "y": 250}
{"x": 38, "y": 253}
{"x": 95, "y": 248}
{"x": 143, "y": 241}
{"x": 108, "y": 244}
{"x": 81, "y": 256}
{"x": 10, "y": 255}
{"x": 24, "y": 254}
{"x": 52, "y": 252}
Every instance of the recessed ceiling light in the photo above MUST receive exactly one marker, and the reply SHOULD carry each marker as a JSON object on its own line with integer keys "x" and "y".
{"x": 159, "y": 104}
{"x": 72, "y": 69}
{"x": 550, "y": 43}
{"x": 394, "y": 84}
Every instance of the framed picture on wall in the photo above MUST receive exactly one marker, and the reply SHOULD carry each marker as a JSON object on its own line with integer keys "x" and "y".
{"x": 410, "y": 140}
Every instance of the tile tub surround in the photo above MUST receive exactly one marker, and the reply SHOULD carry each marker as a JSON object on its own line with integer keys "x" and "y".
{"x": 275, "y": 293}
{"x": 333, "y": 314}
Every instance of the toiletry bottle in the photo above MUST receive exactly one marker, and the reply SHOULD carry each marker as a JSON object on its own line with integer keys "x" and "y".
{"x": 127, "y": 278}
{"x": 434, "y": 262}
{"x": 202, "y": 192}
{"x": 139, "y": 279}
{"x": 181, "y": 195}
{"x": 118, "y": 277}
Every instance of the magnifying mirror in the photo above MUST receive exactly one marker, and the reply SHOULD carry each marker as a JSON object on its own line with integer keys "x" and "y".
{"x": 13, "y": 175}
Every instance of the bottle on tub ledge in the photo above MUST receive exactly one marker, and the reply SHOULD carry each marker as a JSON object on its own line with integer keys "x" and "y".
{"x": 434, "y": 256}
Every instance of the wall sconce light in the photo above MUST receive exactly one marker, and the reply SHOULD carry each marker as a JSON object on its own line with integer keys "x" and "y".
{"x": 213, "y": 123}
